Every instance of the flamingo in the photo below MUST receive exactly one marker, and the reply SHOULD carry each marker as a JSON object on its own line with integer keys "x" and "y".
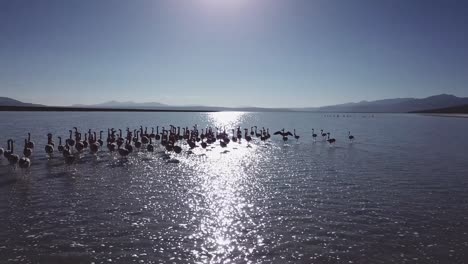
{"x": 67, "y": 154}
{"x": 12, "y": 158}
{"x": 128, "y": 147}
{"x": 24, "y": 162}
{"x": 186, "y": 133}
{"x": 27, "y": 152}
{"x": 222, "y": 143}
{"x": 234, "y": 138}
{"x": 77, "y": 136}
{"x": 66, "y": 151}
{"x": 330, "y": 140}
{"x": 30, "y": 144}
{"x": 179, "y": 136}
{"x": 225, "y": 137}
{"x": 191, "y": 140}
{"x": 79, "y": 145}
{"x": 172, "y": 139}
{"x": 87, "y": 141}
{"x": 49, "y": 148}
{"x": 201, "y": 136}
{"x": 120, "y": 140}
{"x": 239, "y": 134}
{"x": 111, "y": 145}
{"x": 157, "y": 136}
{"x": 150, "y": 147}
{"x": 247, "y": 137}
{"x": 163, "y": 137}
{"x": 264, "y": 135}
{"x": 94, "y": 148}
{"x": 283, "y": 134}
{"x": 144, "y": 137}
{"x": 268, "y": 133}
{"x": 256, "y": 133}
{"x": 203, "y": 144}
{"x": 169, "y": 146}
{"x": 152, "y": 135}
{"x": 177, "y": 149}
{"x": 138, "y": 143}
{"x": 60, "y": 147}
{"x": 296, "y": 136}
{"x": 323, "y": 134}
{"x": 123, "y": 152}
{"x": 70, "y": 140}
{"x": 7, "y": 152}
{"x": 101, "y": 143}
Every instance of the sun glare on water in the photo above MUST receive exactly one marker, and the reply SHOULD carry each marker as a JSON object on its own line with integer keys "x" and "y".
{"x": 227, "y": 120}
{"x": 224, "y": 185}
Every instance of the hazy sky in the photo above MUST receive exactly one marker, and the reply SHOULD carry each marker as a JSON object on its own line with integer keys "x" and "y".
{"x": 270, "y": 53}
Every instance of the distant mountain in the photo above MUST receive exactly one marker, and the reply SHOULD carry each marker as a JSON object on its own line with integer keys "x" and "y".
{"x": 159, "y": 106}
{"x": 461, "y": 109}
{"x": 436, "y": 103}
{"x": 128, "y": 104}
{"x": 5, "y": 101}
{"x": 398, "y": 105}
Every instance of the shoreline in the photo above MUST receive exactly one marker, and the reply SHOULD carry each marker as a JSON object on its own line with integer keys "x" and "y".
{"x": 446, "y": 115}
{"x": 175, "y": 110}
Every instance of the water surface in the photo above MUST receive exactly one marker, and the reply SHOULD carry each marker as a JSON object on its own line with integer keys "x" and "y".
{"x": 397, "y": 194}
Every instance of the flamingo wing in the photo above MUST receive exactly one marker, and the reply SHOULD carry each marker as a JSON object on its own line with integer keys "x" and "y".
{"x": 278, "y": 133}
{"x": 289, "y": 133}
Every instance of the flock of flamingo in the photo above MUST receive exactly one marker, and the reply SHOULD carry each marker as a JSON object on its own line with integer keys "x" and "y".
{"x": 139, "y": 140}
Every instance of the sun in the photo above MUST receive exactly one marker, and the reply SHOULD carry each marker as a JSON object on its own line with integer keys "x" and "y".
{"x": 224, "y": 4}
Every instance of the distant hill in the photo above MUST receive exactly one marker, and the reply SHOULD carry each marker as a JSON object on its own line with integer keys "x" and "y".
{"x": 398, "y": 105}
{"x": 8, "y": 104}
{"x": 5, "y": 101}
{"x": 461, "y": 109}
{"x": 128, "y": 104}
{"x": 436, "y": 103}
{"x": 160, "y": 106}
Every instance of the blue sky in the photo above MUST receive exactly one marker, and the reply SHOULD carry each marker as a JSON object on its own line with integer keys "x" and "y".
{"x": 268, "y": 53}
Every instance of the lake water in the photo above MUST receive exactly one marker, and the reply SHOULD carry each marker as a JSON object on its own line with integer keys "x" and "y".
{"x": 397, "y": 194}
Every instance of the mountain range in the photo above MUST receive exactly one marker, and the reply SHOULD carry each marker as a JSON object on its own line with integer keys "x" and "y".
{"x": 127, "y": 104}
{"x": 449, "y": 103}
{"x": 5, "y": 101}
{"x": 397, "y": 105}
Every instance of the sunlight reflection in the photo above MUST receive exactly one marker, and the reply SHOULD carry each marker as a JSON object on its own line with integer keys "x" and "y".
{"x": 223, "y": 187}
{"x": 226, "y": 120}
